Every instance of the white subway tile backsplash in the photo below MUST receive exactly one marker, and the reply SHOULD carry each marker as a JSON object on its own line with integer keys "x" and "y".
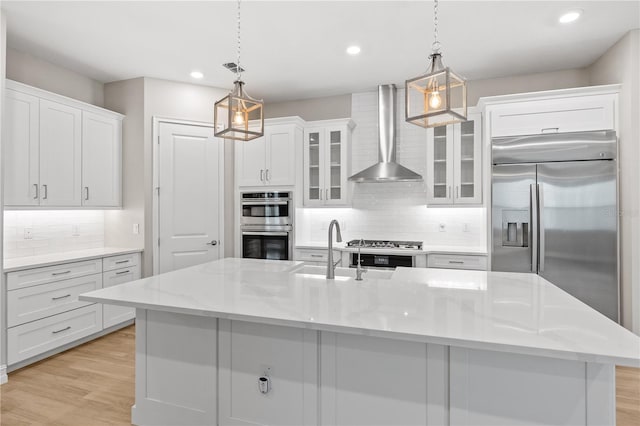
{"x": 52, "y": 231}
{"x": 395, "y": 211}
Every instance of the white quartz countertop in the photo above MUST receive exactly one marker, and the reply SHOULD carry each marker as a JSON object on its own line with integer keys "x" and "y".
{"x": 508, "y": 312}
{"x": 20, "y": 263}
{"x": 426, "y": 249}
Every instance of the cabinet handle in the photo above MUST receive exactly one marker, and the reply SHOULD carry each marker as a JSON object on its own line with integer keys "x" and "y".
{"x": 35, "y": 185}
{"x": 315, "y": 255}
{"x": 457, "y": 262}
{"x": 123, "y": 272}
{"x": 120, "y": 262}
{"x": 61, "y": 297}
{"x": 60, "y": 273}
{"x": 320, "y": 192}
{"x": 326, "y": 194}
{"x": 61, "y": 330}
{"x": 46, "y": 192}
{"x": 266, "y": 175}
{"x": 457, "y": 192}
{"x": 86, "y": 193}
{"x": 261, "y": 175}
{"x": 550, "y": 130}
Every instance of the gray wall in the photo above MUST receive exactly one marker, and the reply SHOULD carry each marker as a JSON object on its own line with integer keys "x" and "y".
{"x": 311, "y": 109}
{"x": 620, "y": 64}
{"x": 37, "y": 72}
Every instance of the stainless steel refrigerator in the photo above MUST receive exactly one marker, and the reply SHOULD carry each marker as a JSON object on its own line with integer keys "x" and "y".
{"x": 555, "y": 212}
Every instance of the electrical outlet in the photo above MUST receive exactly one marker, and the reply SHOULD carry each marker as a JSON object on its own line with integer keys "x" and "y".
{"x": 465, "y": 227}
{"x": 442, "y": 227}
{"x": 28, "y": 233}
{"x": 136, "y": 228}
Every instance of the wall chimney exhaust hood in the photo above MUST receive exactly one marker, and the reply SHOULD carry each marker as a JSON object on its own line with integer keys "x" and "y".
{"x": 386, "y": 169}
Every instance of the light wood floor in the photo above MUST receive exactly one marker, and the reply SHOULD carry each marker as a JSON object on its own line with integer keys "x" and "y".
{"x": 93, "y": 384}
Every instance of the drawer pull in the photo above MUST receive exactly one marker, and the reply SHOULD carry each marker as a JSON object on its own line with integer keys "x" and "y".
{"x": 61, "y": 297}
{"x": 550, "y": 130}
{"x": 123, "y": 272}
{"x": 119, "y": 262}
{"x": 316, "y": 255}
{"x": 61, "y": 273}
{"x": 61, "y": 330}
{"x": 457, "y": 262}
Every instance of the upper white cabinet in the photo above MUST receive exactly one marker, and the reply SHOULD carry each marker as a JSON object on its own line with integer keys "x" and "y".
{"x": 60, "y": 152}
{"x": 269, "y": 160}
{"x": 327, "y": 152}
{"x": 101, "y": 165}
{"x": 575, "y": 112}
{"x": 454, "y": 167}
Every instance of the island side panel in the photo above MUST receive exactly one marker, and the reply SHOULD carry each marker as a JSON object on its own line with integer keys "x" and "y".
{"x": 601, "y": 394}
{"x": 286, "y": 355}
{"x": 176, "y": 369}
{"x": 497, "y": 388}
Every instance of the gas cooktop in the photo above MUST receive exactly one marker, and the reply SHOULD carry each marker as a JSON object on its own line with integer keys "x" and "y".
{"x": 406, "y": 245}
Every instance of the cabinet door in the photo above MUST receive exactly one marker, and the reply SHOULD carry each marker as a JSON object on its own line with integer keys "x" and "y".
{"x": 440, "y": 165}
{"x": 314, "y": 166}
{"x": 280, "y": 167}
{"x": 101, "y": 160}
{"x": 250, "y": 162}
{"x": 336, "y": 166}
{"x": 60, "y": 154}
{"x": 20, "y": 142}
{"x": 468, "y": 165}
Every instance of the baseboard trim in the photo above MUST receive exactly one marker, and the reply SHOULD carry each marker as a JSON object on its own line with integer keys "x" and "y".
{"x": 3, "y": 375}
{"x": 40, "y": 357}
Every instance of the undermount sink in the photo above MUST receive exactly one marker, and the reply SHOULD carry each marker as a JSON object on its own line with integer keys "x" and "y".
{"x": 378, "y": 274}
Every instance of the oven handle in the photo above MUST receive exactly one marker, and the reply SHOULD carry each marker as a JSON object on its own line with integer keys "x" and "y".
{"x": 272, "y": 234}
{"x": 276, "y": 202}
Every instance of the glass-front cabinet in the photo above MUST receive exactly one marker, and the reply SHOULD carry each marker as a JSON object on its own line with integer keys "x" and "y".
{"x": 327, "y": 147}
{"x": 454, "y": 174}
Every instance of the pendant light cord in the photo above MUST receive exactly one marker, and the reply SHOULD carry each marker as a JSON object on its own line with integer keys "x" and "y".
{"x": 238, "y": 69}
{"x": 435, "y": 46}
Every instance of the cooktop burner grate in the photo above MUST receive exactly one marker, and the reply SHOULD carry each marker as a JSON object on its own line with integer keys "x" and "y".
{"x": 407, "y": 245}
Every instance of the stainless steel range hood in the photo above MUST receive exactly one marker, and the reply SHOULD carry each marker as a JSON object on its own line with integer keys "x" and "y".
{"x": 386, "y": 169}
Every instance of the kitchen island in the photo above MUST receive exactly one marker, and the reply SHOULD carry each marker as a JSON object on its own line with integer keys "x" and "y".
{"x": 241, "y": 342}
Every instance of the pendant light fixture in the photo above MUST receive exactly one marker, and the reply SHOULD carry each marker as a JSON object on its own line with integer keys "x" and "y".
{"x": 238, "y": 116}
{"x": 438, "y": 97}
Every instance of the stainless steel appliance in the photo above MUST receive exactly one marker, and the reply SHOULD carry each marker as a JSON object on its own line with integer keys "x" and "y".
{"x": 266, "y": 225}
{"x": 375, "y": 257}
{"x": 555, "y": 212}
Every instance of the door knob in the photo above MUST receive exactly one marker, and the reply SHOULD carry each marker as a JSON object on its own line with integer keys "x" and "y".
{"x": 213, "y": 243}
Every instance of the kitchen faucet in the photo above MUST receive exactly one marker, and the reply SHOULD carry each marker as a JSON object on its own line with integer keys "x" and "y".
{"x": 360, "y": 270}
{"x": 331, "y": 267}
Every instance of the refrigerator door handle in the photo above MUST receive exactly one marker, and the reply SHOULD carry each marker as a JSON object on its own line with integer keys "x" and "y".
{"x": 541, "y": 226}
{"x": 533, "y": 229}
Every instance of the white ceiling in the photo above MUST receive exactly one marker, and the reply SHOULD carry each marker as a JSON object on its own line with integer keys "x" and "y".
{"x": 296, "y": 49}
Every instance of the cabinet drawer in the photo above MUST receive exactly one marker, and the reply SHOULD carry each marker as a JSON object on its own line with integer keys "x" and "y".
{"x": 319, "y": 255}
{"x": 33, "y": 303}
{"x": 35, "y": 276}
{"x": 457, "y": 261}
{"x": 34, "y": 338}
{"x": 111, "y": 314}
{"x": 576, "y": 114}
{"x": 122, "y": 261}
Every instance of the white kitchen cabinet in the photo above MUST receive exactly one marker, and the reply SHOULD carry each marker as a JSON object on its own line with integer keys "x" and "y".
{"x": 457, "y": 261}
{"x": 21, "y": 151}
{"x": 59, "y": 152}
{"x": 111, "y": 314}
{"x": 317, "y": 257}
{"x": 454, "y": 167}
{"x": 270, "y": 160}
{"x": 327, "y": 154}
{"x": 101, "y": 160}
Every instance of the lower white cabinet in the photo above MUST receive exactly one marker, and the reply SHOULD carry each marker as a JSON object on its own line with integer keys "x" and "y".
{"x": 457, "y": 261}
{"x": 111, "y": 314}
{"x": 34, "y": 338}
{"x": 317, "y": 257}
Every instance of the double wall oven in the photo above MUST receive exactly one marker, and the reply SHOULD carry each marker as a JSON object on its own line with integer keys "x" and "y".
{"x": 266, "y": 225}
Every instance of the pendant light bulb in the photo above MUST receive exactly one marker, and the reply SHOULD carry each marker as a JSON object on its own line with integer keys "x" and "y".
{"x": 238, "y": 117}
{"x": 435, "y": 101}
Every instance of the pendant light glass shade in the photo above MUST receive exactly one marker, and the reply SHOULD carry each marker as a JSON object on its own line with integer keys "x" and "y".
{"x": 436, "y": 98}
{"x": 238, "y": 116}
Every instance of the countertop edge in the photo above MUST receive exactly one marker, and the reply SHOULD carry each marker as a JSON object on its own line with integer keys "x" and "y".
{"x": 41, "y": 264}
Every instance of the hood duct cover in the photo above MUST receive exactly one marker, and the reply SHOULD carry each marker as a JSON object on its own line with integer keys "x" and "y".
{"x": 386, "y": 169}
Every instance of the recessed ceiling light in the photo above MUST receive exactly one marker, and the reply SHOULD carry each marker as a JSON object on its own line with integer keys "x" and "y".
{"x": 353, "y": 50}
{"x": 196, "y": 74}
{"x": 570, "y": 16}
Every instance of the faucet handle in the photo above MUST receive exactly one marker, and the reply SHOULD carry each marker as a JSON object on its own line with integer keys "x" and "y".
{"x": 361, "y": 243}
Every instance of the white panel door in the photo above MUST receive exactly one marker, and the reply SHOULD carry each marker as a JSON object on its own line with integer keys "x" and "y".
{"x": 281, "y": 161}
{"x": 60, "y": 154}
{"x": 101, "y": 160}
{"x": 189, "y": 197}
{"x": 20, "y": 151}
{"x": 250, "y": 165}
